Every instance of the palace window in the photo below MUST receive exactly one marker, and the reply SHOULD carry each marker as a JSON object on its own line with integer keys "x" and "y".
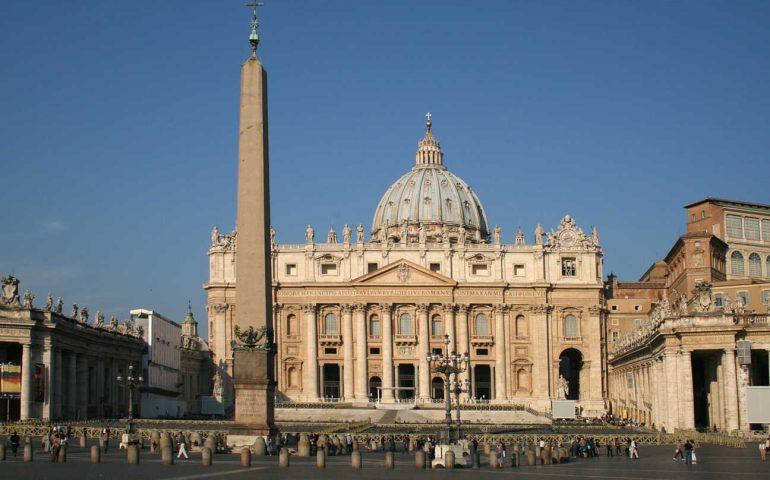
{"x": 719, "y": 300}
{"x": 330, "y": 351}
{"x": 374, "y": 326}
{"x": 328, "y": 269}
{"x": 291, "y": 269}
{"x": 742, "y": 297}
{"x": 330, "y": 324}
{"x": 755, "y": 265}
{"x": 766, "y": 297}
{"x": 568, "y": 267}
{"x": 734, "y": 226}
{"x": 371, "y": 267}
{"x": 766, "y": 230}
{"x": 435, "y": 326}
{"x": 481, "y": 325}
{"x": 736, "y": 263}
{"x": 570, "y": 326}
{"x": 615, "y": 335}
{"x": 518, "y": 271}
{"x": 481, "y": 352}
{"x": 767, "y": 266}
{"x": 751, "y": 225}
{"x": 435, "y": 267}
{"x": 437, "y": 351}
{"x": 405, "y": 324}
{"x": 479, "y": 269}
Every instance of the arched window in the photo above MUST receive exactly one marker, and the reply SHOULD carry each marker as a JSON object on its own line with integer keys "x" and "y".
{"x": 521, "y": 327}
{"x": 755, "y": 265}
{"x": 482, "y": 326}
{"x": 291, "y": 326}
{"x": 405, "y": 324}
{"x": 570, "y": 326}
{"x": 374, "y": 326}
{"x": 435, "y": 326}
{"x": 330, "y": 324}
{"x": 736, "y": 263}
{"x": 767, "y": 266}
{"x": 522, "y": 380}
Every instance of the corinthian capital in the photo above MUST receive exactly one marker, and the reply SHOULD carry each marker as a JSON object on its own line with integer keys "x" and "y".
{"x": 309, "y": 308}
{"x": 448, "y": 307}
{"x": 422, "y": 307}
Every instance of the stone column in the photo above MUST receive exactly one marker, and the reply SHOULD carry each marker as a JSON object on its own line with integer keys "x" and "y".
{"x": 56, "y": 386}
{"x": 669, "y": 365}
{"x": 688, "y": 404}
{"x": 82, "y": 387}
{"x": 424, "y": 350}
{"x": 347, "y": 352}
{"x": 310, "y": 370}
{"x": 462, "y": 342}
{"x": 731, "y": 392}
{"x": 100, "y": 382}
{"x": 501, "y": 392}
{"x": 47, "y": 361}
{"x": 72, "y": 392}
{"x": 387, "y": 352}
{"x": 361, "y": 377}
{"x": 544, "y": 368}
{"x": 26, "y": 381}
{"x": 449, "y": 322}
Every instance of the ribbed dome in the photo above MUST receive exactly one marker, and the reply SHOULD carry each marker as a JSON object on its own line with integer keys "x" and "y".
{"x": 431, "y": 197}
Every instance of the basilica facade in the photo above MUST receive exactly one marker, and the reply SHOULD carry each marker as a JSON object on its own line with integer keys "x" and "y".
{"x": 355, "y": 317}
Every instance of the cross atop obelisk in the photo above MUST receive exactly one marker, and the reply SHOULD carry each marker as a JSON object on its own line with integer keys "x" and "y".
{"x": 254, "y": 36}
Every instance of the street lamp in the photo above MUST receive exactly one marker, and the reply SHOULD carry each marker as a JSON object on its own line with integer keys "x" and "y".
{"x": 131, "y": 382}
{"x": 448, "y": 365}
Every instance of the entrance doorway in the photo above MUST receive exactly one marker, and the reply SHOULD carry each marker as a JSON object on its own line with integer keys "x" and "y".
{"x": 482, "y": 382}
{"x": 570, "y": 364}
{"x": 437, "y": 388}
{"x": 706, "y": 367}
{"x": 405, "y": 373}
{"x": 331, "y": 383}
{"x": 374, "y": 384}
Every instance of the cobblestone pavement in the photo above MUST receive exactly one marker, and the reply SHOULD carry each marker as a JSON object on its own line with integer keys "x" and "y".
{"x": 717, "y": 463}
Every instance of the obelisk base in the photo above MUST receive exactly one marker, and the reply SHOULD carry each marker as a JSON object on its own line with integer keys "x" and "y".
{"x": 254, "y": 398}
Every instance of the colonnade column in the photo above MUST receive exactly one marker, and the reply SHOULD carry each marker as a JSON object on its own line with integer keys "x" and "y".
{"x": 310, "y": 369}
{"x": 688, "y": 404}
{"x": 56, "y": 385}
{"x": 26, "y": 381}
{"x": 361, "y": 354}
{"x": 387, "y": 352}
{"x": 82, "y": 387}
{"x": 672, "y": 400}
{"x": 501, "y": 392}
{"x": 347, "y": 352}
{"x": 462, "y": 341}
{"x": 449, "y": 321}
{"x": 424, "y": 349}
{"x": 731, "y": 392}
{"x": 72, "y": 392}
{"x": 100, "y": 380}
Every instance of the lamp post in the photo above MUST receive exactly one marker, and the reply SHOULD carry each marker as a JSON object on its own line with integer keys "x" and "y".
{"x": 131, "y": 382}
{"x": 459, "y": 387}
{"x": 449, "y": 364}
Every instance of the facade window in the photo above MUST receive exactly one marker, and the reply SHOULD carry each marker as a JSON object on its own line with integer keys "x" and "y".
{"x": 766, "y": 297}
{"x": 482, "y": 352}
{"x": 518, "y": 271}
{"x": 374, "y": 326}
{"x": 637, "y": 308}
{"x": 328, "y": 269}
{"x": 330, "y": 351}
{"x": 521, "y": 327}
{"x": 755, "y": 265}
{"x": 736, "y": 263}
{"x": 615, "y": 335}
{"x": 702, "y": 214}
{"x": 568, "y": 267}
{"x": 751, "y": 225}
{"x": 742, "y": 297}
{"x": 735, "y": 226}
{"x": 614, "y": 308}
{"x": 479, "y": 269}
{"x": 291, "y": 269}
{"x": 637, "y": 322}
{"x": 570, "y": 326}
{"x": 766, "y": 230}
{"x": 405, "y": 324}
{"x": 435, "y": 267}
{"x": 371, "y": 267}
{"x": 481, "y": 325}
{"x": 330, "y": 324}
{"x": 719, "y": 300}
{"x": 522, "y": 380}
{"x": 374, "y": 351}
{"x": 292, "y": 328}
{"x": 692, "y": 217}
{"x": 767, "y": 266}
{"x": 435, "y": 326}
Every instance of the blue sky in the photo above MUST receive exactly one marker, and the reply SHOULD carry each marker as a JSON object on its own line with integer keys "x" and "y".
{"x": 118, "y": 133}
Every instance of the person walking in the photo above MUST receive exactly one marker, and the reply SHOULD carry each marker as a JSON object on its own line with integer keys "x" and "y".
{"x": 688, "y": 448}
{"x": 762, "y": 451}
{"x": 106, "y": 438}
{"x": 55, "y": 446}
{"x": 617, "y": 446}
{"x": 182, "y": 447}
{"x": 679, "y": 453}
{"x": 609, "y": 448}
{"x": 633, "y": 452}
{"x": 14, "y": 442}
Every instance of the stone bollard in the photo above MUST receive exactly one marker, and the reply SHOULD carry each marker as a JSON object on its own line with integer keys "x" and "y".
{"x": 545, "y": 456}
{"x": 28, "y": 455}
{"x": 554, "y": 455}
{"x": 531, "y": 458}
{"x": 320, "y": 458}
{"x": 419, "y": 460}
{"x": 493, "y": 460}
{"x": 154, "y": 442}
{"x": 537, "y": 451}
{"x": 389, "y": 463}
{"x": 355, "y": 459}
{"x": 166, "y": 454}
{"x": 516, "y": 459}
{"x": 355, "y": 446}
{"x": 245, "y": 457}
{"x": 211, "y": 442}
{"x": 82, "y": 441}
{"x": 283, "y": 458}
{"x": 260, "y": 447}
{"x": 2, "y": 451}
{"x": 96, "y": 454}
{"x": 487, "y": 448}
{"x": 132, "y": 455}
{"x": 476, "y": 460}
{"x": 206, "y": 456}
{"x": 449, "y": 459}
{"x": 303, "y": 446}
{"x": 374, "y": 446}
{"x": 62, "y": 455}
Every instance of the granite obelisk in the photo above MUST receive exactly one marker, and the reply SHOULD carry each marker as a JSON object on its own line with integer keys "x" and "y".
{"x": 253, "y": 359}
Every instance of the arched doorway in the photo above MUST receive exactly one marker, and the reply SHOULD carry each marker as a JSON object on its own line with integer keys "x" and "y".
{"x": 437, "y": 388}
{"x": 570, "y": 364}
{"x": 331, "y": 383}
{"x": 374, "y": 384}
{"x": 405, "y": 383}
{"x": 482, "y": 382}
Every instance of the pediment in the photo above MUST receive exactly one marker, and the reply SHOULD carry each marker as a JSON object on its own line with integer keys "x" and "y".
{"x": 403, "y": 272}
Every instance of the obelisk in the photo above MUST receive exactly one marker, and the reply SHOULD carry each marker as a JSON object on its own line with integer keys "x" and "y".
{"x": 252, "y": 328}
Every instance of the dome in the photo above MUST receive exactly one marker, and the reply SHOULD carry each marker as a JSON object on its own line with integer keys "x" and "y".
{"x": 430, "y": 202}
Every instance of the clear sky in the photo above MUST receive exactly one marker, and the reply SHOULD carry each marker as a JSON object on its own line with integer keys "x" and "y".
{"x": 119, "y": 125}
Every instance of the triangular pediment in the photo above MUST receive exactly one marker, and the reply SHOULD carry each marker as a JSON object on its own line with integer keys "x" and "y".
{"x": 403, "y": 272}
